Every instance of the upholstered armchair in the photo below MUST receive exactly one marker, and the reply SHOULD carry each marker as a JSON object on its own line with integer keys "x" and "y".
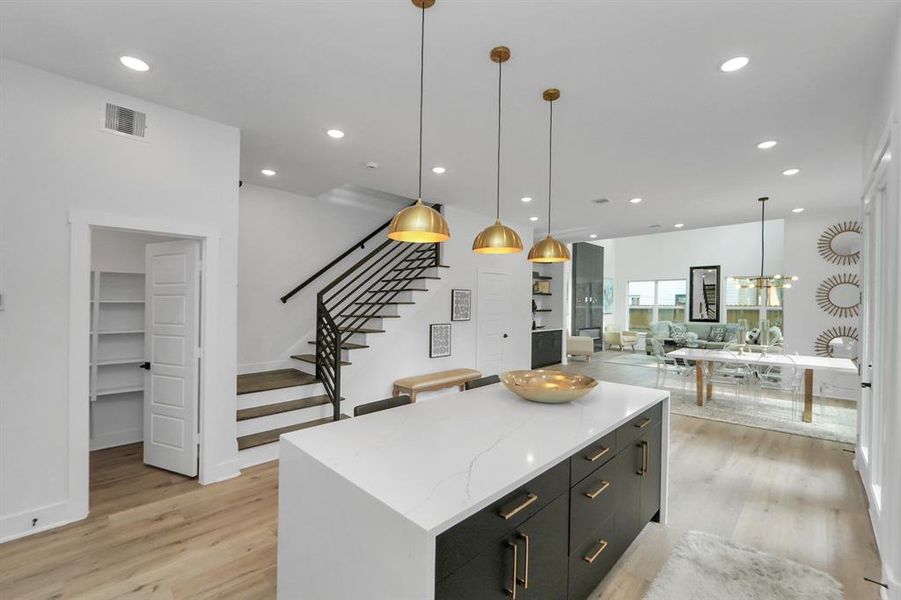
{"x": 579, "y": 345}
{"x": 613, "y": 336}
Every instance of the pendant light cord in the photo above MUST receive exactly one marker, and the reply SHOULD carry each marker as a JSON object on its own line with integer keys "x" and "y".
{"x": 762, "y": 245}
{"x": 550, "y": 158}
{"x": 421, "y": 91}
{"x": 500, "y": 65}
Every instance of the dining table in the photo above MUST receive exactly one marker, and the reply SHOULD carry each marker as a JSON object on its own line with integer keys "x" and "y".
{"x": 807, "y": 363}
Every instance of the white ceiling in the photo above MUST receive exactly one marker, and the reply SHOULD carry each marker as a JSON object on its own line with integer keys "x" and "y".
{"x": 644, "y": 110}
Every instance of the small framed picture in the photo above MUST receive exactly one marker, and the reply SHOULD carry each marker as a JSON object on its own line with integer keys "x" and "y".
{"x": 461, "y": 305}
{"x": 439, "y": 340}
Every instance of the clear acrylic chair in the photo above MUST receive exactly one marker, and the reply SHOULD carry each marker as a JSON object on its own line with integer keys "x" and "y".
{"x": 785, "y": 377}
{"x": 734, "y": 373}
{"x": 666, "y": 364}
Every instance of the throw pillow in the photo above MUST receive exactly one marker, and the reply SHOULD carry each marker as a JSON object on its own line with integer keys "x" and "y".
{"x": 751, "y": 337}
{"x": 775, "y": 336}
{"x": 732, "y": 332}
{"x": 678, "y": 330}
{"x": 717, "y": 333}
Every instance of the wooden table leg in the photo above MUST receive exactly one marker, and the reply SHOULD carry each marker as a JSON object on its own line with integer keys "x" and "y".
{"x": 709, "y": 391}
{"x": 808, "y": 396}
{"x": 699, "y": 381}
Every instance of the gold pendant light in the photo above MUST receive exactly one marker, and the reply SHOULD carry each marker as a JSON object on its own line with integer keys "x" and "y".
{"x": 419, "y": 223}
{"x": 498, "y": 238}
{"x": 549, "y": 250}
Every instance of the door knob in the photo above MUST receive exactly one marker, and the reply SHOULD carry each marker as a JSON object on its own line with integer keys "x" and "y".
{"x": 506, "y": 336}
{"x": 145, "y": 365}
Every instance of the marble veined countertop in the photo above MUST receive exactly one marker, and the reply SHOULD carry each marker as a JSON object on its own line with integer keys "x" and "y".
{"x": 440, "y": 460}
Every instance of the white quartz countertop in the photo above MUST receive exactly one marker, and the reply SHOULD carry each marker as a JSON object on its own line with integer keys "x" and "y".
{"x": 440, "y": 460}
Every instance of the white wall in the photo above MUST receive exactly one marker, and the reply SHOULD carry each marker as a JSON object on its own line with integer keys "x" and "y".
{"x": 803, "y": 317}
{"x": 56, "y": 160}
{"x": 670, "y": 255}
{"x": 120, "y": 251}
{"x": 886, "y": 514}
{"x": 284, "y": 238}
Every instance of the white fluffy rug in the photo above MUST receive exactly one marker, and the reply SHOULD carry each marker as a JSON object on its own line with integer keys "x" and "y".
{"x": 706, "y": 567}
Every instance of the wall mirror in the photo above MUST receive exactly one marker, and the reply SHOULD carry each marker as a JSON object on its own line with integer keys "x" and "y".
{"x": 838, "y": 342}
{"x": 840, "y": 243}
{"x": 839, "y": 295}
{"x": 704, "y": 294}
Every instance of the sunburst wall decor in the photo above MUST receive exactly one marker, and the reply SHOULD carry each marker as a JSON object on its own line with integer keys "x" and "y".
{"x": 834, "y": 296}
{"x": 822, "y": 345}
{"x": 826, "y": 244}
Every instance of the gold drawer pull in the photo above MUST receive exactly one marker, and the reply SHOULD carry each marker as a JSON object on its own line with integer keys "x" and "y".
{"x": 524, "y": 580}
{"x": 602, "y": 545}
{"x": 511, "y": 591}
{"x": 597, "y": 455}
{"x": 530, "y": 499}
{"x": 645, "y": 458}
{"x": 597, "y": 492}
{"x": 644, "y": 423}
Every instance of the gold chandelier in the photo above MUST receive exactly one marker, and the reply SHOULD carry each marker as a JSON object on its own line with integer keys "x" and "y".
{"x": 419, "y": 223}
{"x": 762, "y": 282}
{"x": 498, "y": 238}
{"x": 549, "y": 250}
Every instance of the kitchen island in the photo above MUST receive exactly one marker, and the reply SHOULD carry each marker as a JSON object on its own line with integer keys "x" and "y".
{"x": 472, "y": 495}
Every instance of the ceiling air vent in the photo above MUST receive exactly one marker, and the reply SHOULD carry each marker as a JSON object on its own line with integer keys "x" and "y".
{"x": 125, "y": 120}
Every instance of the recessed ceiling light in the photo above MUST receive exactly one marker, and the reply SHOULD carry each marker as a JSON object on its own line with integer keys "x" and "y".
{"x": 438, "y": 170}
{"x": 335, "y": 133}
{"x": 526, "y": 198}
{"x": 679, "y": 225}
{"x": 533, "y": 218}
{"x": 268, "y": 172}
{"x": 791, "y": 172}
{"x": 798, "y": 210}
{"x": 135, "y": 64}
{"x": 593, "y": 235}
{"x": 767, "y": 144}
{"x": 734, "y": 64}
{"x": 635, "y": 200}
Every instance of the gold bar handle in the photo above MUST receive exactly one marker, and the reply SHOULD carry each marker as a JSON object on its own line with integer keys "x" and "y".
{"x": 530, "y": 499}
{"x": 524, "y": 580}
{"x": 594, "y": 494}
{"x": 512, "y": 589}
{"x": 602, "y": 545}
{"x": 597, "y": 455}
{"x": 647, "y": 457}
{"x": 647, "y": 421}
{"x": 641, "y": 469}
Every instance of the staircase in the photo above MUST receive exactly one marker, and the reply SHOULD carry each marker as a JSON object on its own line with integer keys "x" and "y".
{"x": 710, "y": 300}
{"x": 355, "y": 305}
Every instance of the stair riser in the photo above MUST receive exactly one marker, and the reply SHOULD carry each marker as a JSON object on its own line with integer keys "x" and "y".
{"x": 370, "y": 323}
{"x": 283, "y": 395}
{"x": 257, "y": 455}
{"x": 400, "y": 297}
{"x": 413, "y": 283}
{"x": 360, "y": 338}
{"x": 387, "y": 310}
{"x": 282, "y": 419}
{"x": 428, "y": 272}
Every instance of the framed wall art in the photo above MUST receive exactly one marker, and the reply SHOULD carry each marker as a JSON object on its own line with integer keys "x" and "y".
{"x": 439, "y": 340}
{"x": 461, "y": 305}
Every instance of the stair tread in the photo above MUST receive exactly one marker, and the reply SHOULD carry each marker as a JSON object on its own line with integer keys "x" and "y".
{"x": 281, "y": 407}
{"x": 346, "y": 345}
{"x": 412, "y": 278}
{"x": 311, "y": 358}
{"x": 398, "y": 290}
{"x": 368, "y": 316}
{"x": 388, "y": 303}
{"x": 421, "y": 267}
{"x": 360, "y": 330}
{"x": 267, "y": 437}
{"x": 273, "y": 380}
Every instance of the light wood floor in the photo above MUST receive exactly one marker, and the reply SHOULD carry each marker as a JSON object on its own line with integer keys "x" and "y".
{"x": 152, "y": 534}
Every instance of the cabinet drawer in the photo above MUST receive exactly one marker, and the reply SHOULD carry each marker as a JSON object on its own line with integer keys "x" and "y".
{"x": 630, "y": 431}
{"x": 591, "y": 560}
{"x": 596, "y": 499}
{"x": 592, "y": 457}
{"x": 466, "y": 539}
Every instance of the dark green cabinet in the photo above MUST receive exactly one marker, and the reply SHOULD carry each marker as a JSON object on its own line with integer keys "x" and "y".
{"x": 558, "y": 535}
{"x": 532, "y": 559}
{"x": 547, "y": 348}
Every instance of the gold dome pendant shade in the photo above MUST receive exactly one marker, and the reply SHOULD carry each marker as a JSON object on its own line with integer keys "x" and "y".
{"x": 550, "y": 249}
{"x": 419, "y": 223}
{"x": 498, "y": 238}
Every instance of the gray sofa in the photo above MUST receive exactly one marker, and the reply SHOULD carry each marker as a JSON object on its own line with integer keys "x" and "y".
{"x": 712, "y": 336}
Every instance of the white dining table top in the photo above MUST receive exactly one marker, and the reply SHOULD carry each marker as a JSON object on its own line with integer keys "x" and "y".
{"x": 817, "y": 363}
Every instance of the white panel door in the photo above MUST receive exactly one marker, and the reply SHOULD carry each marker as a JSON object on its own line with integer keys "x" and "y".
{"x": 171, "y": 347}
{"x": 494, "y": 305}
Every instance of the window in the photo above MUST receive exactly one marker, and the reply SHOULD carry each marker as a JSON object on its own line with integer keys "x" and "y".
{"x": 745, "y": 304}
{"x": 661, "y": 300}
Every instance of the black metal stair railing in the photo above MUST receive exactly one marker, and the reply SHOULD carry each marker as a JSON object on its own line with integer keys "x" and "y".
{"x": 359, "y": 294}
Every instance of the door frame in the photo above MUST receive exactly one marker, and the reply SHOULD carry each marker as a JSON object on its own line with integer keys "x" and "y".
{"x": 81, "y": 225}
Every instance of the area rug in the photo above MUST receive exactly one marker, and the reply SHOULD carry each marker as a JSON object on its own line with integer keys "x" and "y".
{"x": 633, "y": 360}
{"x": 705, "y": 567}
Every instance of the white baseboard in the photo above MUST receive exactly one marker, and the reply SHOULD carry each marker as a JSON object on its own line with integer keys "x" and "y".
{"x": 116, "y": 438}
{"x": 227, "y": 469}
{"x": 36, "y": 520}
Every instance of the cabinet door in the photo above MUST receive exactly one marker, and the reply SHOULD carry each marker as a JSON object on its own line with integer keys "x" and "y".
{"x": 628, "y": 509}
{"x": 650, "y": 480}
{"x": 534, "y": 556}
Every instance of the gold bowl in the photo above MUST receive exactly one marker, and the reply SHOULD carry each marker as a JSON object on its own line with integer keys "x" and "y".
{"x": 552, "y": 387}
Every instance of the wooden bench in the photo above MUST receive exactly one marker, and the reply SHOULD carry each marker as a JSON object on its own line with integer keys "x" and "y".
{"x": 434, "y": 381}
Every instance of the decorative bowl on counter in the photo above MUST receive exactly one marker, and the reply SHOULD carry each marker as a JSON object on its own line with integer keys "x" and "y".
{"x": 552, "y": 387}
